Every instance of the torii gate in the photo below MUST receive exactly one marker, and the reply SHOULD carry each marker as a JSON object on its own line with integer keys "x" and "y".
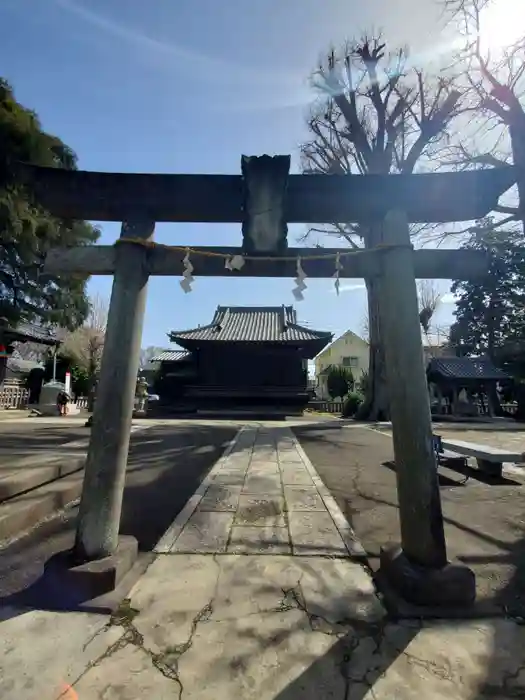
{"x": 264, "y": 199}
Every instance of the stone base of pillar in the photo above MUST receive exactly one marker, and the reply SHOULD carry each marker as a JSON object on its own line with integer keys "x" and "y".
{"x": 452, "y": 586}
{"x": 74, "y": 583}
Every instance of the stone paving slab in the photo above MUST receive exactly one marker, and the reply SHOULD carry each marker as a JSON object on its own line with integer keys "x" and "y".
{"x": 206, "y": 532}
{"x": 260, "y": 510}
{"x": 292, "y": 457}
{"x": 220, "y": 497}
{"x": 303, "y": 498}
{"x": 252, "y": 487}
{"x": 227, "y": 479}
{"x": 262, "y": 483}
{"x": 295, "y": 476}
{"x": 266, "y": 539}
{"x": 315, "y": 534}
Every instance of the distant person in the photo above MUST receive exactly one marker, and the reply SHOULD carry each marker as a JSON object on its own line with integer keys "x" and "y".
{"x": 63, "y": 399}
{"x": 142, "y": 393}
{"x": 34, "y": 382}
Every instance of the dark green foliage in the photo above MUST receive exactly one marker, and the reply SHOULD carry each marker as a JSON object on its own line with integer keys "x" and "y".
{"x": 339, "y": 381}
{"x": 351, "y": 404}
{"x": 490, "y": 314}
{"x": 80, "y": 381}
{"x": 27, "y": 232}
{"x": 363, "y": 383}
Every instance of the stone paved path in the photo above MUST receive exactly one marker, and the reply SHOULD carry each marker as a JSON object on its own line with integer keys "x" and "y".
{"x": 263, "y": 497}
{"x": 254, "y": 594}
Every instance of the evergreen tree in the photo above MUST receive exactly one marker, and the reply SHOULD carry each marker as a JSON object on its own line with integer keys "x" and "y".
{"x": 27, "y": 232}
{"x": 339, "y": 381}
{"x": 490, "y": 313}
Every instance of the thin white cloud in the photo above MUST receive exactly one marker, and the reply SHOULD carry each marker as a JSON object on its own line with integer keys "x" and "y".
{"x": 213, "y": 67}
{"x": 448, "y": 298}
{"x": 139, "y": 39}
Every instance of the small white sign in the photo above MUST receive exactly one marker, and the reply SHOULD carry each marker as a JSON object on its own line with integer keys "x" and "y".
{"x": 68, "y": 383}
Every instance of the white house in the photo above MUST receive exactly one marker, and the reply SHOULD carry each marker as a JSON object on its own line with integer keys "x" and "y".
{"x": 349, "y": 350}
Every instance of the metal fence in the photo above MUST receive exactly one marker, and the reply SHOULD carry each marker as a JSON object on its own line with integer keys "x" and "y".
{"x": 326, "y": 406}
{"x": 511, "y": 408}
{"x": 337, "y": 407}
{"x": 13, "y": 395}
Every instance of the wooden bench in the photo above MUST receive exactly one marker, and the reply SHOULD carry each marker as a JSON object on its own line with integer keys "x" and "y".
{"x": 489, "y": 459}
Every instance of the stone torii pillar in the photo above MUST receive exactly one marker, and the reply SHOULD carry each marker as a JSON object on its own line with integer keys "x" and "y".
{"x": 418, "y": 569}
{"x": 101, "y": 501}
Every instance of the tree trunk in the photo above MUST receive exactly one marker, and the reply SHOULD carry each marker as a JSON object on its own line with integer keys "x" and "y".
{"x": 490, "y": 322}
{"x": 375, "y": 406}
{"x": 517, "y": 138}
{"x": 92, "y": 386}
{"x": 3, "y": 369}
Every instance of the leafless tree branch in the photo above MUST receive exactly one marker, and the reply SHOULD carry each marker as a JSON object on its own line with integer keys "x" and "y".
{"x": 495, "y": 84}
{"x": 86, "y": 343}
{"x": 375, "y": 115}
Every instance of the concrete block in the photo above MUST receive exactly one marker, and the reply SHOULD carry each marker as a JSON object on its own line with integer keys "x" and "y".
{"x": 83, "y": 581}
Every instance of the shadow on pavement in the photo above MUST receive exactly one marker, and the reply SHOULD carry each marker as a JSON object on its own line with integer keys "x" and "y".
{"x": 484, "y": 529}
{"x": 483, "y": 521}
{"x": 165, "y": 466}
{"x": 360, "y": 658}
{"x": 38, "y": 439}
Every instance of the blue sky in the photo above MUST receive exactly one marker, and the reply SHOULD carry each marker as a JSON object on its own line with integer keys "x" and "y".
{"x": 187, "y": 86}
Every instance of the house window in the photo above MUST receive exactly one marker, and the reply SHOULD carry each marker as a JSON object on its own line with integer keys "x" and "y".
{"x": 352, "y": 362}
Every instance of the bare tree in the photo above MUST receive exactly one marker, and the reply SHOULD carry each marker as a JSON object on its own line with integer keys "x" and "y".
{"x": 495, "y": 87}
{"x": 85, "y": 344}
{"x": 377, "y": 115}
{"x": 365, "y": 328}
{"x": 147, "y": 354}
{"x": 429, "y": 300}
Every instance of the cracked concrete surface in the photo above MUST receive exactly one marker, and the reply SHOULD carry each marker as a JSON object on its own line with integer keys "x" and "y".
{"x": 256, "y": 625}
{"x": 245, "y": 624}
{"x": 273, "y": 627}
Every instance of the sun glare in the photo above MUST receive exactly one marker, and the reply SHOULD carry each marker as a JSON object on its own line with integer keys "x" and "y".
{"x": 502, "y": 23}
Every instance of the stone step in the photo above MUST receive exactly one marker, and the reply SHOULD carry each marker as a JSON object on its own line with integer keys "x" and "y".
{"x": 261, "y": 413}
{"x": 23, "y": 512}
{"x": 29, "y": 472}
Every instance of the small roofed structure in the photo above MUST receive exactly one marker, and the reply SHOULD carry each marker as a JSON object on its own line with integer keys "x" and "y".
{"x": 251, "y": 359}
{"x": 22, "y": 332}
{"x": 464, "y": 386}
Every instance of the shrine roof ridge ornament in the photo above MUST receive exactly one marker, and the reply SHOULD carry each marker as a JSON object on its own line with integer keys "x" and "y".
{"x": 311, "y": 199}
